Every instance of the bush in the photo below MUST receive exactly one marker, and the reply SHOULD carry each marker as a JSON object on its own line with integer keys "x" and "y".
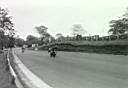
{"x": 107, "y": 49}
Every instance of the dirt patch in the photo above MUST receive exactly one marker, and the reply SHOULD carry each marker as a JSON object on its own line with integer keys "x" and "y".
{"x": 5, "y": 75}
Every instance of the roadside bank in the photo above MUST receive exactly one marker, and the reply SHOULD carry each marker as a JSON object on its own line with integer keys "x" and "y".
{"x": 5, "y": 75}
{"x": 101, "y": 49}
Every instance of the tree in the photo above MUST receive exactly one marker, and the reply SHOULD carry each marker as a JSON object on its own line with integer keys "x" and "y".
{"x": 6, "y": 28}
{"x": 126, "y": 13}
{"x": 45, "y": 36}
{"x": 19, "y": 42}
{"x": 31, "y": 40}
{"x": 42, "y": 30}
{"x": 78, "y": 30}
{"x": 51, "y": 39}
{"x": 125, "y": 19}
{"x": 119, "y": 26}
{"x": 59, "y": 37}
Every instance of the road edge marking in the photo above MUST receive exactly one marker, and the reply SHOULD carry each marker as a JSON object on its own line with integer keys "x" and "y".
{"x": 15, "y": 78}
{"x": 29, "y": 79}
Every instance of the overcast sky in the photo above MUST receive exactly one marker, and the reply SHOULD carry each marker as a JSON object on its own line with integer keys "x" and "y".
{"x": 60, "y": 15}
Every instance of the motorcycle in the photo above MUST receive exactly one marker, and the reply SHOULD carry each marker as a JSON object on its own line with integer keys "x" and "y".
{"x": 52, "y": 54}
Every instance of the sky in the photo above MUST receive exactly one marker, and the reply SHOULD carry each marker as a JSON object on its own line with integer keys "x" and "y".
{"x": 60, "y": 15}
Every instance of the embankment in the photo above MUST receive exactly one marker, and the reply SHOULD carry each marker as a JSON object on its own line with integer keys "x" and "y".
{"x": 119, "y": 47}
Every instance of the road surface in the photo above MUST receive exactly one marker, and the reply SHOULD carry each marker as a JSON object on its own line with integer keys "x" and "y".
{"x": 77, "y": 70}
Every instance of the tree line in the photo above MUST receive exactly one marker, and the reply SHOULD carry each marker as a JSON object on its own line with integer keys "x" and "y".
{"x": 118, "y": 30}
{"x": 7, "y": 31}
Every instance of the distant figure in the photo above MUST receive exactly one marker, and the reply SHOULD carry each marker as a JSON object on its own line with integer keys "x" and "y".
{"x": 23, "y": 48}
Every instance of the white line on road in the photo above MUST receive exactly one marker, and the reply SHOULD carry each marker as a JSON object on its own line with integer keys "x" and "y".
{"x": 28, "y": 77}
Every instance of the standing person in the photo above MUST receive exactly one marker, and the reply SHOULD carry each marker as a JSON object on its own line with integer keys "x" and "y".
{"x": 23, "y": 48}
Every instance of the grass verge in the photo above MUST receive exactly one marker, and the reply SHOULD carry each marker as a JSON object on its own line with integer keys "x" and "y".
{"x": 5, "y": 75}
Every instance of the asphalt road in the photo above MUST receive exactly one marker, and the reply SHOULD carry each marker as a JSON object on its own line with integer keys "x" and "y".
{"x": 78, "y": 70}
